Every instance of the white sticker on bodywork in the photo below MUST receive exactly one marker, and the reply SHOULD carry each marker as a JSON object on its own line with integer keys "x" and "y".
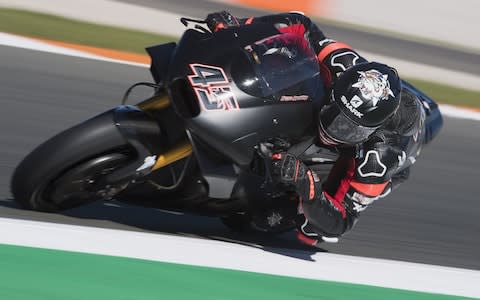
{"x": 147, "y": 163}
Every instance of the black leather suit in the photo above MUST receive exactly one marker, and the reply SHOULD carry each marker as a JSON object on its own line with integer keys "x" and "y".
{"x": 363, "y": 173}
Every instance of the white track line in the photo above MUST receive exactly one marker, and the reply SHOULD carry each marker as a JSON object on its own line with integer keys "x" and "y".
{"x": 457, "y": 112}
{"x": 430, "y": 73}
{"x": 7, "y": 39}
{"x": 107, "y": 12}
{"x": 12, "y": 40}
{"x": 217, "y": 254}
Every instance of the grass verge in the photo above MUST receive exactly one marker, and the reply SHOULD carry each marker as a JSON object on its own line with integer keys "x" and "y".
{"x": 67, "y": 30}
{"x": 448, "y": 94}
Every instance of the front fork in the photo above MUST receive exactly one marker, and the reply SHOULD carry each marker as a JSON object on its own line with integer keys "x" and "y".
{"x": 142, "y": 132}
{"x": 181, "y": 150}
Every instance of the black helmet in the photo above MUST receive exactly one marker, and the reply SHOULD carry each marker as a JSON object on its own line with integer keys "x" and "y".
{"x": 363, "y": 97}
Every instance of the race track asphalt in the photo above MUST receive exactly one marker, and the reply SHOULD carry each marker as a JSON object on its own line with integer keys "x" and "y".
{"x": 433, "y": 218}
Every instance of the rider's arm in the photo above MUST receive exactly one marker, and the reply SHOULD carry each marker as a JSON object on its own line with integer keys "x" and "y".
{"x": 355, "y": 181}
{"x": 322, "y": 215}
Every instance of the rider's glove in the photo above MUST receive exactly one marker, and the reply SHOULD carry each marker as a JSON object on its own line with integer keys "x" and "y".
{"x": 221, "y": 20}
{"x": 293, "y": 173}
{"x": 287, "y": 169}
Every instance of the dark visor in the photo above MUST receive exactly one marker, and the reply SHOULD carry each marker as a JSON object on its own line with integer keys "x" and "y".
{"x": 339, "y": 129}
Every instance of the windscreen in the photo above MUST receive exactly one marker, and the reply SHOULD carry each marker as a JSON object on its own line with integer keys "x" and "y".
{"x": 275, "y": 65}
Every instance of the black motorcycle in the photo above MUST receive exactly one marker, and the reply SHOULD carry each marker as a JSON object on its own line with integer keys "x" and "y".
{"x": 222, "y": 102}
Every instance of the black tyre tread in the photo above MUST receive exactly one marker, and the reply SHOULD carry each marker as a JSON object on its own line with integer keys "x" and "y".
{"x": 63, "y": 151}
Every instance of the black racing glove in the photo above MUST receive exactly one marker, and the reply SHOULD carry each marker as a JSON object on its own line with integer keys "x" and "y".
{"x": 287, "y": 169}
{"x": 221, "y": 20}
{"x": 293, "y": 174}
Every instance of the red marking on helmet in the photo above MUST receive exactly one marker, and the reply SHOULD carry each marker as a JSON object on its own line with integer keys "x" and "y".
{"x": 331, "y": 48}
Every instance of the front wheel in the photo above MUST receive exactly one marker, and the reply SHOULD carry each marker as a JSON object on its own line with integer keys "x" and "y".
{"x": 67, "y": 170}
{"x": 79, "y": 185}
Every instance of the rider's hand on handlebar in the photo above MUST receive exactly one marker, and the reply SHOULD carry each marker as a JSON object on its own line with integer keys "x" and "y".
{"x": 287, "y": 168}
{"x": 293, "y": 173}
{"x": 221, "y": 20}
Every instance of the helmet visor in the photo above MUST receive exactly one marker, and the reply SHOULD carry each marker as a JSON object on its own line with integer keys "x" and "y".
{"x": 336, "y": 128}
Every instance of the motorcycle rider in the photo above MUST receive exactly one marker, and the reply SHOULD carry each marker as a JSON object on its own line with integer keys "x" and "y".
{"x": 375, "y": 126}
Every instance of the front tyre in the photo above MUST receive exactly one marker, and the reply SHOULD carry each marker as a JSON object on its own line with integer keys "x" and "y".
{"x": 67, "y": 170}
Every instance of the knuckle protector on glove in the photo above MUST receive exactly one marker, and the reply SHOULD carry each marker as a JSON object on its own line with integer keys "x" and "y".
{"x": 292, "y": 169}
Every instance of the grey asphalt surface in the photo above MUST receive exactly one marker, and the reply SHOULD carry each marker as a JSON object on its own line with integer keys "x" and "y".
{"x": 383, "y": 44}
{"x": 431, "y": 219}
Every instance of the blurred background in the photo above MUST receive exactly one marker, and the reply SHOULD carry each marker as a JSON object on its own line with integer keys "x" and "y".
{"x": 430, "y": 219}
{"x": 453, "y": 22}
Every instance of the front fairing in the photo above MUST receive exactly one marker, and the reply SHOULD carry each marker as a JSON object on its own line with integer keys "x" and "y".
{"x": 207, "y": 87}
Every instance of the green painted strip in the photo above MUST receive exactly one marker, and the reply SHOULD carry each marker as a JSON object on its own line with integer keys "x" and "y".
{"x": 33, "y": 273}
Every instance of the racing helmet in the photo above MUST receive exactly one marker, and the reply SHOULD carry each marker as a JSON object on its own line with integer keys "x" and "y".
{"x": 362, "y": 99}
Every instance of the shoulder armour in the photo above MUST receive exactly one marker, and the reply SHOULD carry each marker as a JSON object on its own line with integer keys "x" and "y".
{"x": 377, "y": 162}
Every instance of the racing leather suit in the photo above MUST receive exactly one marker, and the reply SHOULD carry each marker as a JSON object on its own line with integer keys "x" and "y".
{"x": 363, "y": 173}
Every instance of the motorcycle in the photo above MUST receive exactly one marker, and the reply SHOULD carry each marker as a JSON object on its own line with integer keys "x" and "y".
{"x": 221, "y": 102}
